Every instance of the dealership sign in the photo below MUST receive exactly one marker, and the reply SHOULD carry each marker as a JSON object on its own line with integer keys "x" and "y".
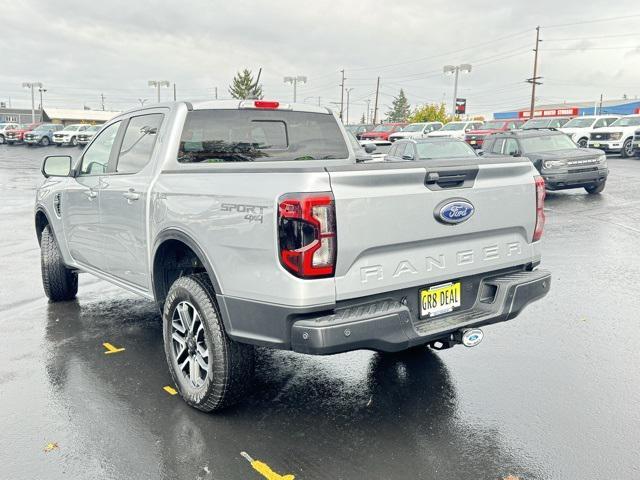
{"x": 461, "y": 106}
{"x": 550, "y": 112}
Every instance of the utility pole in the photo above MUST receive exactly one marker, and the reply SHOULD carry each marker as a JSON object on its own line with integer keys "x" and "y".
{"x": 102, "y": 100}
{"x": 216, "y": 92}
{"x": 600, "y": 109}
{"x": 342, "y": 94}
{"x": 174, "y": 92}
{"x": 41, "y": 90}
{"x": 375, "y": 104}
{"x": 294, "y": 81}
{"x": 32, "y": 85}
{"x": 157, "y": 84}
{"x": 348, "y": 96}
{"x": 142, "y": 100}
{"x": 367, "y": 116}
{"x": 534, "y": 80}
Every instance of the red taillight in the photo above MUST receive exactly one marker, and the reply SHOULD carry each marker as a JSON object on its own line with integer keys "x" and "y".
{"x": 540, "y": 194}
{"x": 307, "y": 234}
{"x": 265, "y": 104}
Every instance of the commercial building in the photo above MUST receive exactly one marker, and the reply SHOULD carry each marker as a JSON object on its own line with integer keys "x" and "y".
{"x": 18, "y": 115}
{"x": 68, "y": 116}
{"x": 575, "y": 109}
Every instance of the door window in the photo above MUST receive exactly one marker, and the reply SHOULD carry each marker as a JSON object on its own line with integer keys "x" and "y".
{"x": 497, "y": 146}
{"x": 139, "y": 140}
{"x": 511, "y": 147}
{"x": 600, "y": 123}
{"x": 408, "y": 152}
{"x": 96, "y": 157}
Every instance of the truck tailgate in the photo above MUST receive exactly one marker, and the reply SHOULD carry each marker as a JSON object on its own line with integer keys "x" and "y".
{"x": 389, "y": 236}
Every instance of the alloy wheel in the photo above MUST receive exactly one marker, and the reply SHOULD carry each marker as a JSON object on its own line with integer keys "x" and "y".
{"x": 189, "y": 343}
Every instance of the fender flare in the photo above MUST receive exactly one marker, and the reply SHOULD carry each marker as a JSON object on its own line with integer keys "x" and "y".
{"x": 173, "y": 233}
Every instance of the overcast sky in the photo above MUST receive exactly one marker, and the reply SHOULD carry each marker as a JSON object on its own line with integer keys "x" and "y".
{"x": 82, "y": 49}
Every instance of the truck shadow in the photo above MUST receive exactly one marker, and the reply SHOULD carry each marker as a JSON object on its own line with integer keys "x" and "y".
{"x": 356, "y": 415}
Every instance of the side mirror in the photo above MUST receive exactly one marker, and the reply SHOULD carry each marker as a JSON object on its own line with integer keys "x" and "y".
{"x": 516, "y": 154}
{"x": 480, "y": 152}
{"x": 407, "y": 157}
{"x": 56, "y": 166}
{"x": 370, "y": 147}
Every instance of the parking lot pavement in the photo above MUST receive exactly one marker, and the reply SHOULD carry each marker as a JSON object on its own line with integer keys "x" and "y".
{"x": 552, "y": 394}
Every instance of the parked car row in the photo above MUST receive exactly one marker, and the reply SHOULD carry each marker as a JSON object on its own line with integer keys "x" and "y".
{"x": 47, "y": 133}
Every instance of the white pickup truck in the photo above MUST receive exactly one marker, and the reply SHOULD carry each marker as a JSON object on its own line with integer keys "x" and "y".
{"x": 251, "y": 223}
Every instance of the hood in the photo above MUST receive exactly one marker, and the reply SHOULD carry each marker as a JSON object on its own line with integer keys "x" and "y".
{"x": 484, "y": 132}
{"x": 405, "y": 134}
{"x": 572, "y": 130}
{"x": 446, "y": 133}
{"x": 568, "y": 154}
{"x": 375, "y": 134}
{"x": 616, "y": 129}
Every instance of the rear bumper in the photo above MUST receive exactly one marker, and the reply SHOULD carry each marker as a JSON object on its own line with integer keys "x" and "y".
{"x": 389, "y": 325}
{"x": 562, "y": 181}
{"x": 386, "y": 322}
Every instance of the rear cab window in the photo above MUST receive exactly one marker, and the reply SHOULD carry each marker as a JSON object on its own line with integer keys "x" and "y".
{"x": 253, "y": 135}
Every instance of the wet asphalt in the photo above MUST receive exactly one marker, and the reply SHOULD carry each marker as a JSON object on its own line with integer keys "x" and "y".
{"x": 553, "y": 394}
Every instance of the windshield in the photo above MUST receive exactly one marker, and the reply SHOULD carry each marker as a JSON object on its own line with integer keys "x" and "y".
{"x": 536, "y": 123}
{"x": 626, "y": 122}
{"x": 414, "y": 127}
{"x": 72, "y": 128}
{"x": 453, "y": 126}
{"x": 585, "y": 122}
{"x": 547, "y": 143}
{"x": 493, "y": 125}
{"x": 46, "y": 126}
{"x": 439, "y": 149}
{"x": 383, "y": 128}
{"x": 94, "y": 128}
{"x": 251, "y": 135}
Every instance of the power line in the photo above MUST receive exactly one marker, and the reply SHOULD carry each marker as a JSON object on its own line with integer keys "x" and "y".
{"x": 584, "y": 22}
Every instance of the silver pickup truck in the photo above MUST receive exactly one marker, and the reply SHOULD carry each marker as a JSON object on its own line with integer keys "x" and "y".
{"x": 251, "y": 223}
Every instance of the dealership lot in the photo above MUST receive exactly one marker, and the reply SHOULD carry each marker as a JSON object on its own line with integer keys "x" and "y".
{"x": 552, "y": 394}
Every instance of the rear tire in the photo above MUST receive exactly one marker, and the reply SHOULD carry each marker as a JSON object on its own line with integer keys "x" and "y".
{"x": 210, "y": 370}
{"x": 627, "y": 148}
{"x": 59, "y": 282}
{"x": 595, "y": 189}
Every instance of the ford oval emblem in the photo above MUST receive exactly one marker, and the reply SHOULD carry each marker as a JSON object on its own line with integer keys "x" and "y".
{"x": 454, "y": 211}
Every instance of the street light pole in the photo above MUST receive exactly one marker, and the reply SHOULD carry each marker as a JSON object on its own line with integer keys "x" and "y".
{"x": 348, "y": 96}
{"x": 41, "y": 90}
{"x": 157, "y": 84}
{"x": 32, "y": 85}
{"x": 455, "y": 70}
{"x": 294, "y": 81}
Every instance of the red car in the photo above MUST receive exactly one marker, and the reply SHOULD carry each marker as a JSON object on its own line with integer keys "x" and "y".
{"x": 382, "y": 131}
{"x": 16, "y": 135}
{"x": 475, "y": 138}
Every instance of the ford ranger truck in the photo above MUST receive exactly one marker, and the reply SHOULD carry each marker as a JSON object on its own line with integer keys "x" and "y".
{"x": 251, "y": 223}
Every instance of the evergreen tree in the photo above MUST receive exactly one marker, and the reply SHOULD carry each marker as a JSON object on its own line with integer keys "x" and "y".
{"x": 363, "y": 120}
{"x": 400, "y": 108}
{"x": 243, "y": 86}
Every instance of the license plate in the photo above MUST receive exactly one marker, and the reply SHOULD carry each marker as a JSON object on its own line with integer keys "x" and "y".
{"x": 472, "y": 142}
{"x": 596, "y": 145}
{"x": 440, "y": 299}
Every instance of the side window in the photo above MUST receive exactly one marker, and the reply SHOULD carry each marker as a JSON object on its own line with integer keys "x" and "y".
{"x": 393, "y": 152}
{"x": 600, "y": 123}
{"x": 609, "y": 121}
{"x": 408, "y": 152}
{"x": 511, "y": 146}
{"x": 138, "y": 143}
{"x": 497, "y": 146}
{"x": 96, "y": 157}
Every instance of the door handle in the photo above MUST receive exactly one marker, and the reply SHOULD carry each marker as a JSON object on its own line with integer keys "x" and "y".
{"x": 131, "y": 195}
{"x": 90, "y": 194}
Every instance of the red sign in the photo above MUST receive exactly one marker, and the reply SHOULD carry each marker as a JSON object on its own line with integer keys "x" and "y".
{"x": 551, "y": 112}
{"x": 637, "y": 110}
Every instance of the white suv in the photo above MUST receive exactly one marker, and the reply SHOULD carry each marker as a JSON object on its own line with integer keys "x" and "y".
{"x": 618, "y": 137}
{"x": 456, "y": 129}
{"x": 69, "y": 135}
{"x": 580, "y": 128}
{"x": 416, "y": 130}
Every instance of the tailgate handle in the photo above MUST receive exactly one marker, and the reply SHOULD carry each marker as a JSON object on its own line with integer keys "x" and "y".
{"x": 458, "y": 178}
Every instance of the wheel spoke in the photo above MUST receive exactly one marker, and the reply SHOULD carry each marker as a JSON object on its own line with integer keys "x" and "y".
{"x": 200, "y": 361}
{"x": 196, "y": 321}
{"x": 202, "y": 351}
{"x": 194, "y": 371}
{"x": 179, "y": 338}
{"x": 183, "y": 312}
{"x": 184, "y": 364}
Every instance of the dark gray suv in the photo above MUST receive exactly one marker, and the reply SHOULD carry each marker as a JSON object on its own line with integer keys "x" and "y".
{"x": 559, "y": 160}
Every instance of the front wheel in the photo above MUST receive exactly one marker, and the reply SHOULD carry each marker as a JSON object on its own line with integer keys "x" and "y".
{"x": 627, "y": 148}
{"x": 210, "y": 370}
{"x": 594, "y": 189}
{"x": 74, "y": 142}
{"x": 45, "y": 141}
{"x": 583, "y": 143}
{"x": 1, "y": 139}
{"x": 59, "y": 282}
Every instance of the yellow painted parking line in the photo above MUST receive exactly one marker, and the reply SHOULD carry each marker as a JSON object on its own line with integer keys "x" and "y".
{"x": 50, "y": 446}
{"x": 111, "y": 349}
{"x": 264, "y": 469}
{"x": 170, "y": 390}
